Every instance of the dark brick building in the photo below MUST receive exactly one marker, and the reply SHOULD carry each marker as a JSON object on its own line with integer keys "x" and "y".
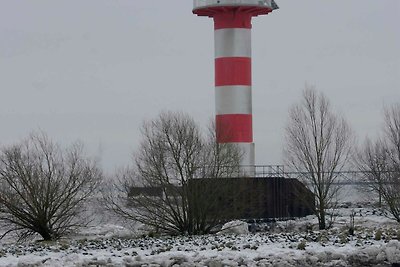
{"x": 258, "y": 198}
{"x": 245, "y": 198}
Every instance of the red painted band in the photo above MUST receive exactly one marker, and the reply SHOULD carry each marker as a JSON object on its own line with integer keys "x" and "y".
{"x": 233, "y": 71}
{"x": 232, "y": 19}
{"x": 234, "y": 128}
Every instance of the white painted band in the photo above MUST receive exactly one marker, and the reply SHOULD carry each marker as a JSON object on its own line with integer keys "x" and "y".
{"x": 248, "y": 155}
{"x": 233, "y": 99}
{"x": 235, "y": 42}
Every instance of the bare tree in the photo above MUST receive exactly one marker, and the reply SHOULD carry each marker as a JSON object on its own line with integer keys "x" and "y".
{"x": 371, "y": 161}
{"x": 43, "y": 188}
{"x": 392, "y": 133}
{"x": 391, "y": 192}
{"x": 380, "y": 162}
{"x": 318, "y": 143}
{"x": 160, "y": 190}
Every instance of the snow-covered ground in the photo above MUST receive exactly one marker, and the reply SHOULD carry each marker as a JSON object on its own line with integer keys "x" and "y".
{"x": 376, "y": 242}
{"x": 288, "y": 243}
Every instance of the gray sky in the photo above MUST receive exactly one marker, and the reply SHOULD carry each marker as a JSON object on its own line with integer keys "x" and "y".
{"x": 93, "y": 70}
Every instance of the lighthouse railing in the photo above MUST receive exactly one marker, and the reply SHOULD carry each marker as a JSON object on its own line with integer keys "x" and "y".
{"x": 210, "y": 3}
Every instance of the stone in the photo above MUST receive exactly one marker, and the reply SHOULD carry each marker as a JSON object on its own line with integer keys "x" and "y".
{"x": 235, "y": 227}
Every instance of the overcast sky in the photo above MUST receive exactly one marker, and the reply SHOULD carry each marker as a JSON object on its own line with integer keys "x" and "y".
{"x": 93, "y": 70}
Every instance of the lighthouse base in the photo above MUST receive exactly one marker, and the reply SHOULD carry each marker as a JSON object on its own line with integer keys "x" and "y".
{"x": 247, "y": 163}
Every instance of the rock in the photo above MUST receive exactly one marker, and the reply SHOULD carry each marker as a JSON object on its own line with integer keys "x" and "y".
{"x": 372, "y": 251}
{"x": 393, "y": 243}
{"x": 213, "y": 263}
{"x": 337, "y": 256}
{"x": 128, "y": 259}
{"x": 361, "y": 258}
{"x": 313, "y": 260}
{"x": 133, "y": 264}
{"x": 29, "y": 264}
{"x": 230, "y": 263}
{"x": 337, "y": 263}
{"x": 322, "y": 256}
{"x": 381, "y": 257}
{"x": 234, "y": 227}
{"x": 392, "y": 254}
{"x": 178, "y": 260}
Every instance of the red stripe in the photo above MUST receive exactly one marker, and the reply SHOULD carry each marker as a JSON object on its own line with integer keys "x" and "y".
{"x": 231, "y": 18}
{"x": 234, "y": 128}
{"x": 232, "y": 71}
{"x": 214, "y": 11}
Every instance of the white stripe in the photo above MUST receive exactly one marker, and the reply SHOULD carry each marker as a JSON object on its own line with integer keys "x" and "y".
{"x": 234, "y": 42}
{"x": 234, "y": 99}
{"x": 248, "y": 158}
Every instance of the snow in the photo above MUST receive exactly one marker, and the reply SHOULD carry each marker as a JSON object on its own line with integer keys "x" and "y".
{"x": 287, "y": 243}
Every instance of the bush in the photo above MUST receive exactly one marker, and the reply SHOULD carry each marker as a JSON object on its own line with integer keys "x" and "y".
{"x": 378, "y": 235}
{"x": 43, "y": 189}
{"x": 302, "y": 245}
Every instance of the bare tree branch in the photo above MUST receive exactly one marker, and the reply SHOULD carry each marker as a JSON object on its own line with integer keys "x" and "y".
{"x": 43, "y": 188}
{"x": 173, "y": 153}
{"x": 379, "y": 162}
{"x": 317, "y": 142}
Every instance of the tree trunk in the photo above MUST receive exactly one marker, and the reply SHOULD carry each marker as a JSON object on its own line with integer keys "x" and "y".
{"x": 321, "y": 221}
{"x": 45, "y": 234}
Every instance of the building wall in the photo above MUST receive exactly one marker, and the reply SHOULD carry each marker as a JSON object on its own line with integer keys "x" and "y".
{"x": 257, "y": 198}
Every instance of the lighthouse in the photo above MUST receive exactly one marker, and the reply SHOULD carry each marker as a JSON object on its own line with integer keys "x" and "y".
{"x": 233, "y": 85}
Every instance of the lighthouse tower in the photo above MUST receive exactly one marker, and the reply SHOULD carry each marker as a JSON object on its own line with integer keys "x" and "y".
{"x": 232, "y": 42}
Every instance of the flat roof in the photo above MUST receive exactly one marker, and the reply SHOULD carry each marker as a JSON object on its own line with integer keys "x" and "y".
{"x": 199, "y": 4}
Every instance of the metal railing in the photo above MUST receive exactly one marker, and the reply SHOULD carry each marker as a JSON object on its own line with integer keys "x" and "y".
{"x": 269, "y": 170}
{"x": 257, "y": 171}
{"x": 266, "y": 171}
{"x": 209, "y": 3}
{"x": 341, "y": 177}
